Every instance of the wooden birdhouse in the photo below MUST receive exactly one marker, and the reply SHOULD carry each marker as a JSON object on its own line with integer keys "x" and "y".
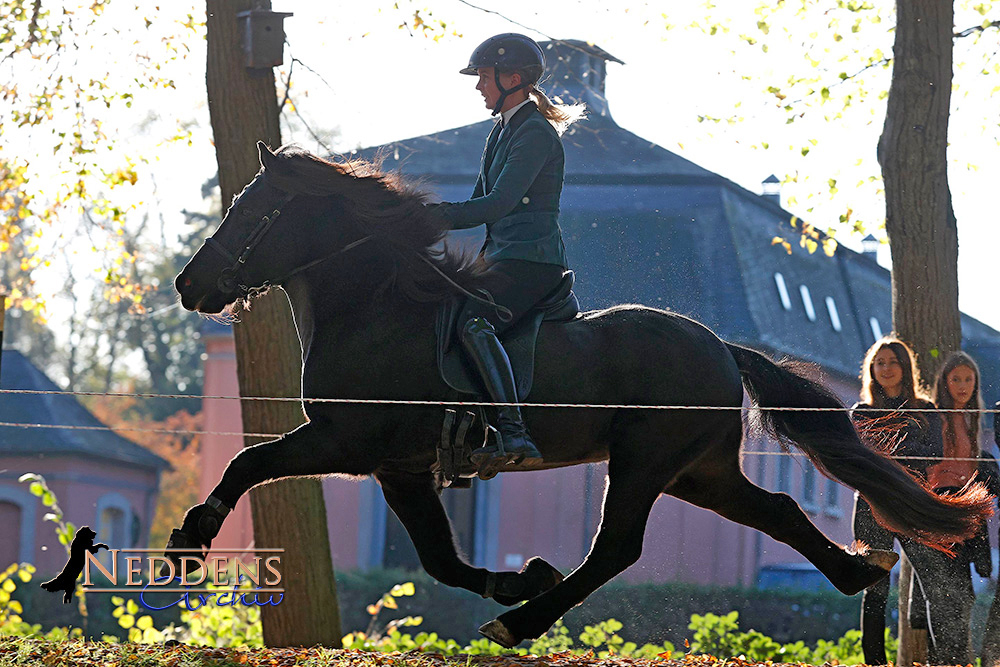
{"x": 263, "y": 37}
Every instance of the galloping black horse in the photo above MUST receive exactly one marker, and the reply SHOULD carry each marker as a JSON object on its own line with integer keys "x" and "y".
{"x": 359, "y": 257}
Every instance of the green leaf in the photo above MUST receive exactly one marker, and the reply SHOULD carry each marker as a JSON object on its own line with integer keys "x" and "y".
{"x": 36, "y": 489}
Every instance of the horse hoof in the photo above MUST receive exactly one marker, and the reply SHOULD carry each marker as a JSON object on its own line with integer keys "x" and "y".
{"x": 497, "y": 632}
{"x": 536, "y": 577}
{"x": 537, "y": 569}
{"x": 882, "y": 559}
{"x": 192, "y": 548}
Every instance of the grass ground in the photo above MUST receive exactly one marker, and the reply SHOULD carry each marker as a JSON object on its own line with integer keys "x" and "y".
{"x": 33, "y": 652}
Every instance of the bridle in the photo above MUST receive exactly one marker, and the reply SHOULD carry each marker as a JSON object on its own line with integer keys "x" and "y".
{"x": 231, "y": 280}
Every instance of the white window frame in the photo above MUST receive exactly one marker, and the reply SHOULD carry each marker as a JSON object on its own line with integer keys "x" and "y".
{"x": 807, "y": 303}
{"x": 786, "y": 301}
{"x": 831, "y": 308}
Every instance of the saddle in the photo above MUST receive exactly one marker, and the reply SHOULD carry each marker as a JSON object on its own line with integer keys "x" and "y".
{"x": 560, "y": 305}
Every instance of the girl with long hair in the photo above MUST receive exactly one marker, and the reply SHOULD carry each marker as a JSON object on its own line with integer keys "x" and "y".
{"x": 889, "y": 381}
{"x": 957, "y": 388}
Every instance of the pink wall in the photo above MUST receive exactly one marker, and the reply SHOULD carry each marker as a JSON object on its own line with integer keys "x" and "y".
{"x": 223, "y": 416}
{"x": 79, "y": 483}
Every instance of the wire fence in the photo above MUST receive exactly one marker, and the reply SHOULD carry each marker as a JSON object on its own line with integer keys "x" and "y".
{"x": 374, "y": 401}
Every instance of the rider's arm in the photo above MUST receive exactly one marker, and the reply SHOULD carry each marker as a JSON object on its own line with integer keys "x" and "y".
{"x": 529, "y": 151}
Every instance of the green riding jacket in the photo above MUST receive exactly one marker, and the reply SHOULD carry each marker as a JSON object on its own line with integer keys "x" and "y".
{"x": 517, "y": 192}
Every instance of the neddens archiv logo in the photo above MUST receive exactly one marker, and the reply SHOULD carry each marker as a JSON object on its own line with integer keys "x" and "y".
{"x": 135, "y": 570}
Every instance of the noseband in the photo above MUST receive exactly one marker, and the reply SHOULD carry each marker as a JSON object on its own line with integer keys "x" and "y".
{"x": 231, "y": 280}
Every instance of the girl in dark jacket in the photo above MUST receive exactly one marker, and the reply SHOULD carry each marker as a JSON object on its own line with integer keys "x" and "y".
{"x": 890, "y": 381}
{"x": 517, "y": 198}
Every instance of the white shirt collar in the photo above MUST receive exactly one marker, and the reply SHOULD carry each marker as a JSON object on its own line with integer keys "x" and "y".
{"x": 509, "y": 113}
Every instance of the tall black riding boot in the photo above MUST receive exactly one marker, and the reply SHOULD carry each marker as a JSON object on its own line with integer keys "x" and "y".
{"x": 480, "y": 341}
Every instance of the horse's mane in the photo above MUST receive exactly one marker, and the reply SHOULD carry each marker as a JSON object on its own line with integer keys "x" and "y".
{"x": 391, "y": 210}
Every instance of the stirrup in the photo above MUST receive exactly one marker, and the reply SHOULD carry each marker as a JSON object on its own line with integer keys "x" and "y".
{"x": 491, "y": 457}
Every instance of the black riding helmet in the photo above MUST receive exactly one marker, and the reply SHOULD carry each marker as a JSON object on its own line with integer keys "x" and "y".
{"x": 507, "y": 53}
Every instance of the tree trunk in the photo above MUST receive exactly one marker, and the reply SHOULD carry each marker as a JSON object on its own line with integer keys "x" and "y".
{"x": 912, "y": 151}
{"x": 288, "y": 514}
{"x": 919, "y": 219}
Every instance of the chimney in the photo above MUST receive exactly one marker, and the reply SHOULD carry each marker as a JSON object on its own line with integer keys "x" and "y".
{"x": 869, "y": 247}
{"x": 575, "y": 72}
{"x": 771, "y": 189}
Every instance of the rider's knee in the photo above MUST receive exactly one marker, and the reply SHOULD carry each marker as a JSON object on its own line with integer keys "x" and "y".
{"x": 475, "y": 326}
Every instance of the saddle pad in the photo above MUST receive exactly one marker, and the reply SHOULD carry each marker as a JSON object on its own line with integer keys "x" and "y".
{"x": 459, "y": 373}
{"x": 519, "y": 342}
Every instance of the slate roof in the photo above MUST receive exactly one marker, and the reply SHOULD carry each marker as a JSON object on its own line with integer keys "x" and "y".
{"x": 644, "y": 225}
{"x": 19, "y": 373}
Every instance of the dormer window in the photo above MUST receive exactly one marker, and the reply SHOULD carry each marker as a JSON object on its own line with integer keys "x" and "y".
{"x": 807, "y": 303}
{"x": 831, "y": 308}
{"x": 786, "y": 302}
{"x": 876, "y": 328}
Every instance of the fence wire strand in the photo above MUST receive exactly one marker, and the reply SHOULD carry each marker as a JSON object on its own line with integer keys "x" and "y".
{"x": 376, "y": 401}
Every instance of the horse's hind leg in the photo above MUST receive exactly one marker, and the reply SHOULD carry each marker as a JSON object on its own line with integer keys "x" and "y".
{"x": 414, "y": 500}
{"x": 718, "y": 484}
{"x": 632, "y": 489}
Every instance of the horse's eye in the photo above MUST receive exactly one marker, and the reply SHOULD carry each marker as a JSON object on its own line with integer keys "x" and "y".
{"x": 244, "y": 212}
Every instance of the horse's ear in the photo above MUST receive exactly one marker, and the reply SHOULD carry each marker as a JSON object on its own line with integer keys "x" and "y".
{"x": 266, "y": 156}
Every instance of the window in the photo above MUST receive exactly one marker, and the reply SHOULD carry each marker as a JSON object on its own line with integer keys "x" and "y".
{"x": 876, "y": 328}
{"x": 809, "y": 486}
{"x": 10, "y": 519}
{"x": 112, "y": 532}
{"x": 784, "y": 472}
{"x": 831, "y": 308}
{"x": 786, "y": 302}
{"x": 808, "y": 303}
{"x": 831, "y": 498}
{"x": 114, "y": 517}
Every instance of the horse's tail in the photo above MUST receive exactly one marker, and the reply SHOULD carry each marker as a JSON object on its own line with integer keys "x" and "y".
{"x": 899, "y": 501}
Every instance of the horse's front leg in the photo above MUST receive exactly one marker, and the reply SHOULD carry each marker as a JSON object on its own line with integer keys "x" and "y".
{"x": 415, "y": 501}
{"x": 308, "y": 450}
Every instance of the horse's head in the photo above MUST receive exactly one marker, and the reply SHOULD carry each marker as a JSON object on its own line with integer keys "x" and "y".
{"x": 336, "y": 207}
{"x": 251, "y": 249}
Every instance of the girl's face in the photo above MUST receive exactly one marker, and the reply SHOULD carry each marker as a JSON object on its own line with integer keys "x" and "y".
{"x": 888, "y": 372}
{"x": 961, "y": 383}
{"x": 487, "y": 86}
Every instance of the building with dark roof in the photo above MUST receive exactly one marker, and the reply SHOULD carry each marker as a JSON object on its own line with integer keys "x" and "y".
{"x": 99, "y": 478}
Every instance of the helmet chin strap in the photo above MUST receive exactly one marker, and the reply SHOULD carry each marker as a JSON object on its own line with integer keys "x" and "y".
{"x": 504, "y": 92}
